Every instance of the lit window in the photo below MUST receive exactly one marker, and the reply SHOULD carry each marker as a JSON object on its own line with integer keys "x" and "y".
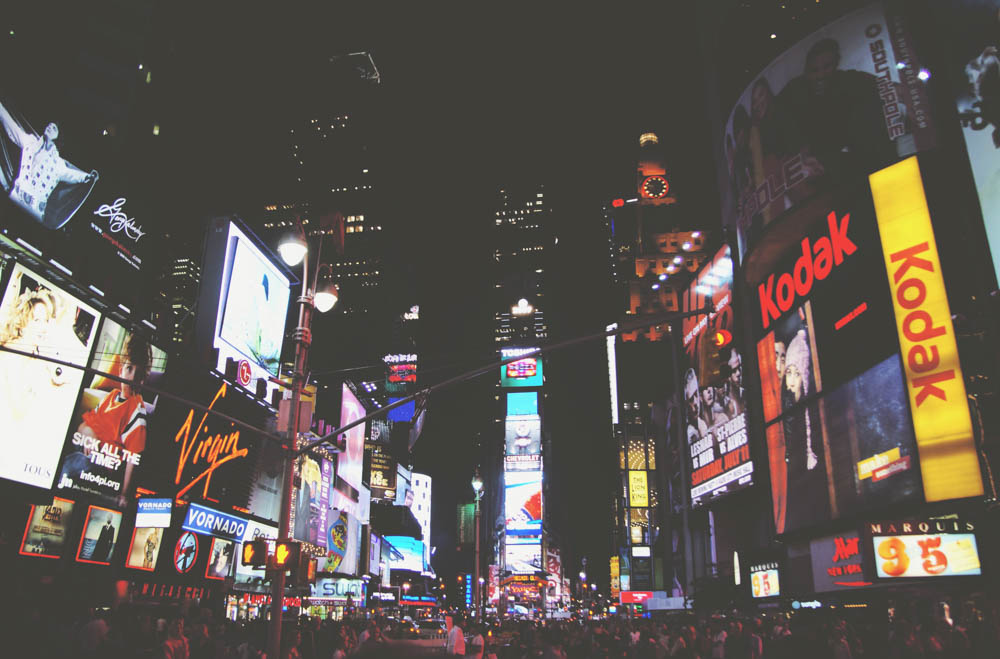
{"x": 156, "y": 129}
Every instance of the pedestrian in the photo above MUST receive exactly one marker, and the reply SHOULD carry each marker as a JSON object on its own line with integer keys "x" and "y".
{"x": 456, "y": 637}
{"x": 175, "y": 646}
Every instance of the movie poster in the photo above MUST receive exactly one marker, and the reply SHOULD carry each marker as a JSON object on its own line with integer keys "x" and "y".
{"x": 221, "y": 559}
{"x": 100, "y": 535}
{"x": 145, "y": 548}
{"x": 37, "y": 396}
{"x": 714, "y": 396}
{"x": 45, "y": 534}
{"x": 107, "y": 434}
{"x": 843, "y": 102}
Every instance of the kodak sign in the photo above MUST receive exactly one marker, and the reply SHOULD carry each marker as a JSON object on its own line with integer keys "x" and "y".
{"x": 941, "y": 423}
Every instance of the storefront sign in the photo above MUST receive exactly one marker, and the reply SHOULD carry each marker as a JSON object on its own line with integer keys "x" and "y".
{"x": 837, "y": 563}
{"x": 338, "y": 589}
{"x": 201, "y": 519}
{"x": 925, "y": 548}
{"x": 941, "y": 422}
{"x": 168, "y": 591}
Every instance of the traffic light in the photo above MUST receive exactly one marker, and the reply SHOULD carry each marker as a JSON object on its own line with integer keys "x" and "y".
{"x": 306, "y": 572}
{"x": 255, "y": 553}
{"x": 286, "y": 554}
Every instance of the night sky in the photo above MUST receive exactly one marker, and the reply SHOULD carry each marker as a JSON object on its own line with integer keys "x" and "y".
{"x": 475, "y": 99}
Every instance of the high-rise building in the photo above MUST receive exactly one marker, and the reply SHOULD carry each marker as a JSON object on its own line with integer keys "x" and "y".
{"x": 654, "y": 246}
{"x": 178, "y": 287}
{"x": 421, "y": 508}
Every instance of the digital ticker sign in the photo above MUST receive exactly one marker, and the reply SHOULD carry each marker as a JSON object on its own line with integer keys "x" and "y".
{"x": 714, "y": 396}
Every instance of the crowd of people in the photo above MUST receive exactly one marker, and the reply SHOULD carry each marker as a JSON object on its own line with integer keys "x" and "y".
{"x": 924, "y": 632}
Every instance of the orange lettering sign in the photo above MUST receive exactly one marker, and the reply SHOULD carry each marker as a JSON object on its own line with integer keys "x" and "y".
{"x": 212, "y": 450}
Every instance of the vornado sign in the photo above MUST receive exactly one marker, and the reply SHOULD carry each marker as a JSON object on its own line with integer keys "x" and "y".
{"x": 778, "y": 294}
{"x": 941, "y": 422}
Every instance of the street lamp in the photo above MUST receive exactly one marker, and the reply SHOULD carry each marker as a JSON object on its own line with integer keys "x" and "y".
{"x": 477, "y": 488}
{"x": 294, "y": 249}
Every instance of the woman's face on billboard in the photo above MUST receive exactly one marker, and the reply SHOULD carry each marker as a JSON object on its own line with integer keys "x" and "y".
{"x": 793, "y": 381}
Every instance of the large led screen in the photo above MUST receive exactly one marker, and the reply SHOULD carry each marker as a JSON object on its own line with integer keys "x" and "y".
{"x": 522, "y": 403}
{"x": 409, "y": 553}
{"x": 842, "y": 102}
{"x": 37, "y": 396}
{"x": 523, "y": 559}
{"x": 523, "y": 502}
{"x": 525, "y": 372}
{"x": 47, "y": 528}
{"x": 764, "y": 580}
{"x": 714, "y": 396}
{"x": 107, "y": 434}
{"x": 926, "y": 548}
{"x": 523, "y": 435}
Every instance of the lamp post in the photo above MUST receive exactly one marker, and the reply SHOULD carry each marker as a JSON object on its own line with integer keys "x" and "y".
{"x": 294, "y": 249}
{"x": 477, "y": 593}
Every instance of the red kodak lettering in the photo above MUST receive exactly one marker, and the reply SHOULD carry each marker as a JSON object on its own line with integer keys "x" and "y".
{"x": 815, "y": 263}
{"x": 926, "y": 385}
{"x": 910, "y": 260}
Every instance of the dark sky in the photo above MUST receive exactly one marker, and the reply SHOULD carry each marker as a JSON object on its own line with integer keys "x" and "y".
{"x": 475, "y": 97}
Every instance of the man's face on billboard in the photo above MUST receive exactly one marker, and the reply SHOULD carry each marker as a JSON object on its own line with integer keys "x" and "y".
{"x": 692, "y": 400}
{"x": 736, "y": 369}
{"x": 819, "y": 68}
{"x": 779, "y": 358}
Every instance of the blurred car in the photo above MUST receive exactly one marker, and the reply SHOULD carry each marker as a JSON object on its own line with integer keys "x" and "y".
{"x": 431, "y": 628}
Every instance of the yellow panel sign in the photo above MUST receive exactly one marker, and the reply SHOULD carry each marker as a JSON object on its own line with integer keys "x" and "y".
{"x": 868, "y": 465}
{"x": 638, "y": 490}
{"x": 949, "y": 463}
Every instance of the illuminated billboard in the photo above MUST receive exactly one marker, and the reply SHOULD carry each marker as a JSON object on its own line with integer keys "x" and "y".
{"x": 638, "y": 489}
{"x": 523, "y": 502}
{"x": 100, "y": 536}
{"x": 107, "y": 434}
{"x": 844, "y": 101}
{"x": 221, "y": 558}
{"x": 381, "y": 472}
{"x": 312, "y": 500}
{"x": 47, "y": 528}
{"x": 350, "y": 463}
{"x": 144, "y": 549}
{"x": 409, "y": 554}
{"x": 925, "y": 548}
{"x": 400, "y": 372}
{"x": 714, "y": 396}
{"x": 343, "y": 544}
{"x": 522, "y": 403}
{"x": 37, "y": 397}
{"x": 523, "y": 559}
{"x": 246, "y": 575}
{"x": 525, "y": 372}
{"x": 838, "y": 563}
{"x": 764, "y": 581}
{"x": 523, "y": 435}
{"x": 243, "y": 302}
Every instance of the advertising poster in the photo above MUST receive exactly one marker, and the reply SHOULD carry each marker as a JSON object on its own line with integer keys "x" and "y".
{"x": 107, "y": 434}
{"x": 553, "y": 565}
{"x": 343, "y": 543}
{"x": 523, "y": 559}
{"x": 409, "y": 554}
{"x": 145, "y": 548}
{"x": 971, "y": 30}
{"x": 100, "y": 535}
{"x": 312, "y": 500}
{"x": 925, "y": 548}
{"x": 638, "y": 489}
{"x": 838, "y": 563}
{"x": 221, "y": 558}
{"x": 831, "y": 380}
{"x": 350, "y": 463}
{"x": 381, "y": 472}
{"x": 523, "y": 502}
{"x": 842, "y": 102}
{"x": 714, "y": 396}
{"x": 37, "y": 397}
{"x": 525, "y": 372}
{"x": 523, "y": 436}
{"x": 45, "y": 533}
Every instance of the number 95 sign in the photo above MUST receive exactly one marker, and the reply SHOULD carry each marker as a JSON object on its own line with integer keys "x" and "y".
{"x": 941, "y": 555}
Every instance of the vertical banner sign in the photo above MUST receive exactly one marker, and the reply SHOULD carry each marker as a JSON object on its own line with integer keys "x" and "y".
{"x": 941, "y": 422}
{"x": 638, "y": 489}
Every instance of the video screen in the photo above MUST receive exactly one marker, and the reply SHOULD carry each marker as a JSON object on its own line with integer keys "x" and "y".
{"x": 402, "y": 414}
{"x": 36, "y": 396}
{"x": 764, "y": 581}
{"x": 918, "y": 556}
{"x": 47, "y": 528}
{"x": 527, "y": 372}
{"x": 343, "y": 544}
{"x": 100, "y": 536}
{"x": 523, "y": 502}
{"x": 107, "y": 434}
{"x": 145, "y": 548}
{"x": 833, "y": 105}
{"x": 522, "y": 403}
{"x": 523, "y": 436}
{"x": 523, "y": 559}
{"x": 255, "y": 304}
{"x": 221, "y": 559}
{"x": 350, "y": 463}
{"x": 410, "y": 553}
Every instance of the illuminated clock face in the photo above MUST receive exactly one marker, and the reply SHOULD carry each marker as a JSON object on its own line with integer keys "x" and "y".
{"x": 654, "y": 187}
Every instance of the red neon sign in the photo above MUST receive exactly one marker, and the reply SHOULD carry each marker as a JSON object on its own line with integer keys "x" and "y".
{"x": 213, "y": 450}
{"x": 635, "y": 596}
